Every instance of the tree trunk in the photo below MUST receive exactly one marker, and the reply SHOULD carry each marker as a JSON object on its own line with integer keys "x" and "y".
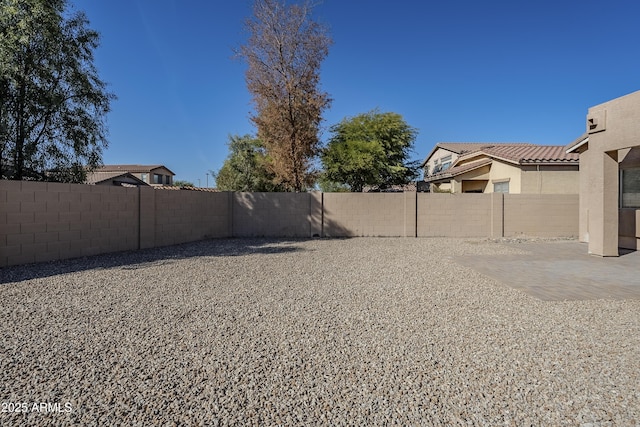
{"x": 18, "y": 156}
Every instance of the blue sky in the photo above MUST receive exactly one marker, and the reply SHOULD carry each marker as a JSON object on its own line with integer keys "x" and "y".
{"x": 457, "y": 70}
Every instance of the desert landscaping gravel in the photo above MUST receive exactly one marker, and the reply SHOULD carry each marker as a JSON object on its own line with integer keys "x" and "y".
{"x": 364, "y": 331}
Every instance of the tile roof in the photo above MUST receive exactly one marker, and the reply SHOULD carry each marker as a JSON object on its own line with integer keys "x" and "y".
{"x": 173, "y": 187}
{"x": 457, "y": 170}
{"x": 468, "y": 147}
{"x": 131, "y": 168}
{"x": 533, "y": 154}
{"x": 98, "y": 177}
{"x": 516, "y": 153}
{"x": 461, "y": 148}
{"x": 95, "y": 177}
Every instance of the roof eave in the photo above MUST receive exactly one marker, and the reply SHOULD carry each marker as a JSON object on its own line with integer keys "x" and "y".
{"x": 452, "y": 174}
{"x": 575, "y": 145}
{"x": 549, "y": 162}
{"x": 426, "y": 159}
{"x": 434, "y": 178}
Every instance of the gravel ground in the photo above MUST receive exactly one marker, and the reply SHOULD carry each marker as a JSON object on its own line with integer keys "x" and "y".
{"x": 307, "y": 332}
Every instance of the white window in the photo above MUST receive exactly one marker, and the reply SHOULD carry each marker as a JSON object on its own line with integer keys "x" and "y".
{"x": 145, "y": 177}
{"x": 501, "y": 187}
{"x": 630, "y": 188}
{"x": 446, "y": 163}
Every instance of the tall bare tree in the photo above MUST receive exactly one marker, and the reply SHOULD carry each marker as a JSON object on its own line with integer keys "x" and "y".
{"x": 284, "y": 52}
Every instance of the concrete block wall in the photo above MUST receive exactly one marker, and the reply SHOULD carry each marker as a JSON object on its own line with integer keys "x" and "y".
{"x": 146, "y": 217}
{"x": 549, "y": 215}
{"x": 274, "y": 214}
{"x": 187, "y": 216}
{"x": 364, "y": 214}
{"x": 454, "y": 215}
{"x": 50, "y": 221}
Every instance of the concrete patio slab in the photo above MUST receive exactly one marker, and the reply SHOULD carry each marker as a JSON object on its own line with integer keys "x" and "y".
{"x": 562, "y": 270}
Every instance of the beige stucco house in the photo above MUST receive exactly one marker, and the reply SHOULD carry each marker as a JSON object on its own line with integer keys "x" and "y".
{"x": 610, "y": 176}
{"x": 154, "y": 175}
{"x": 445, "y": 154}
{"x": 516, "y": 168}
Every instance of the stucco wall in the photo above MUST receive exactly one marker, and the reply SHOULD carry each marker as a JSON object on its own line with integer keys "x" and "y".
{"x": 495, "y": 172}
{"x": 550, "y": 179}
{"x": 612, "y": 128}
{"x": 481, "y": 174}
{"x": 500, "y": 171}
{"x": 438, "y": 155}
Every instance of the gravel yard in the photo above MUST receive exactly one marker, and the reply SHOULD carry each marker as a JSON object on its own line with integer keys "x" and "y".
{"x": 365, "y": 331}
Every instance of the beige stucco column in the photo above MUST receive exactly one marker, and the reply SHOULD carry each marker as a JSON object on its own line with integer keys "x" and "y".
{"x": 603, "y": 203}
{"x": 613, "y": 132}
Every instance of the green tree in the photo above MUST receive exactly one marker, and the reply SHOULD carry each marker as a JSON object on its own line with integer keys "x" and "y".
{"x": 245, "y": 168}
{"x": 53, "y": 104}
{"x": 284, "y": 52}
{"x": 328, "y": 186}
{"x": 370, "y": 149}
{"x": 180, "y": 183}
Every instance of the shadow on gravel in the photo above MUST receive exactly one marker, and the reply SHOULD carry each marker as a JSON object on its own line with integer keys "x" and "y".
{"x": 145, "y": 258}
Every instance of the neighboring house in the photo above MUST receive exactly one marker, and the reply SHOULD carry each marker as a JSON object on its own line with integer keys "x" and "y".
{"x": 153, "y": 175}
{"x": 610, "y": 176}
{"x": 445, "y": 154}
{"x": 517, "y": 168}
{"x": 123, "y": 179}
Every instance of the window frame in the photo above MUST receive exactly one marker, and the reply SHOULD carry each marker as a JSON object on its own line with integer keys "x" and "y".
{"x": 446, "y": 162}
{"x": 500, "y": 183}
{"x": 621, "y": 197}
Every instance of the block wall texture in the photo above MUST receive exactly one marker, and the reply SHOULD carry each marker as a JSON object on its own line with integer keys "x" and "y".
{"x": 273, "y": 214}
{"x": 364, "y": 214}
{"x": 49, "y": 221}
{"x": 549, "y": 215}
{"x": 187, "y": 216}
{"x": 454, "y": 215}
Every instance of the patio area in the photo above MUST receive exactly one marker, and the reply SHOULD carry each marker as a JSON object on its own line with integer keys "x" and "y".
{"x": 562, "y": 270}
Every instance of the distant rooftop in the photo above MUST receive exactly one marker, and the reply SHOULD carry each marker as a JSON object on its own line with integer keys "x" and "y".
{"x": 461, "y": 148}
{"x": 521, "y": 154}
{"x": 131, "y": 168}
{"x": 535, "y": 154}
